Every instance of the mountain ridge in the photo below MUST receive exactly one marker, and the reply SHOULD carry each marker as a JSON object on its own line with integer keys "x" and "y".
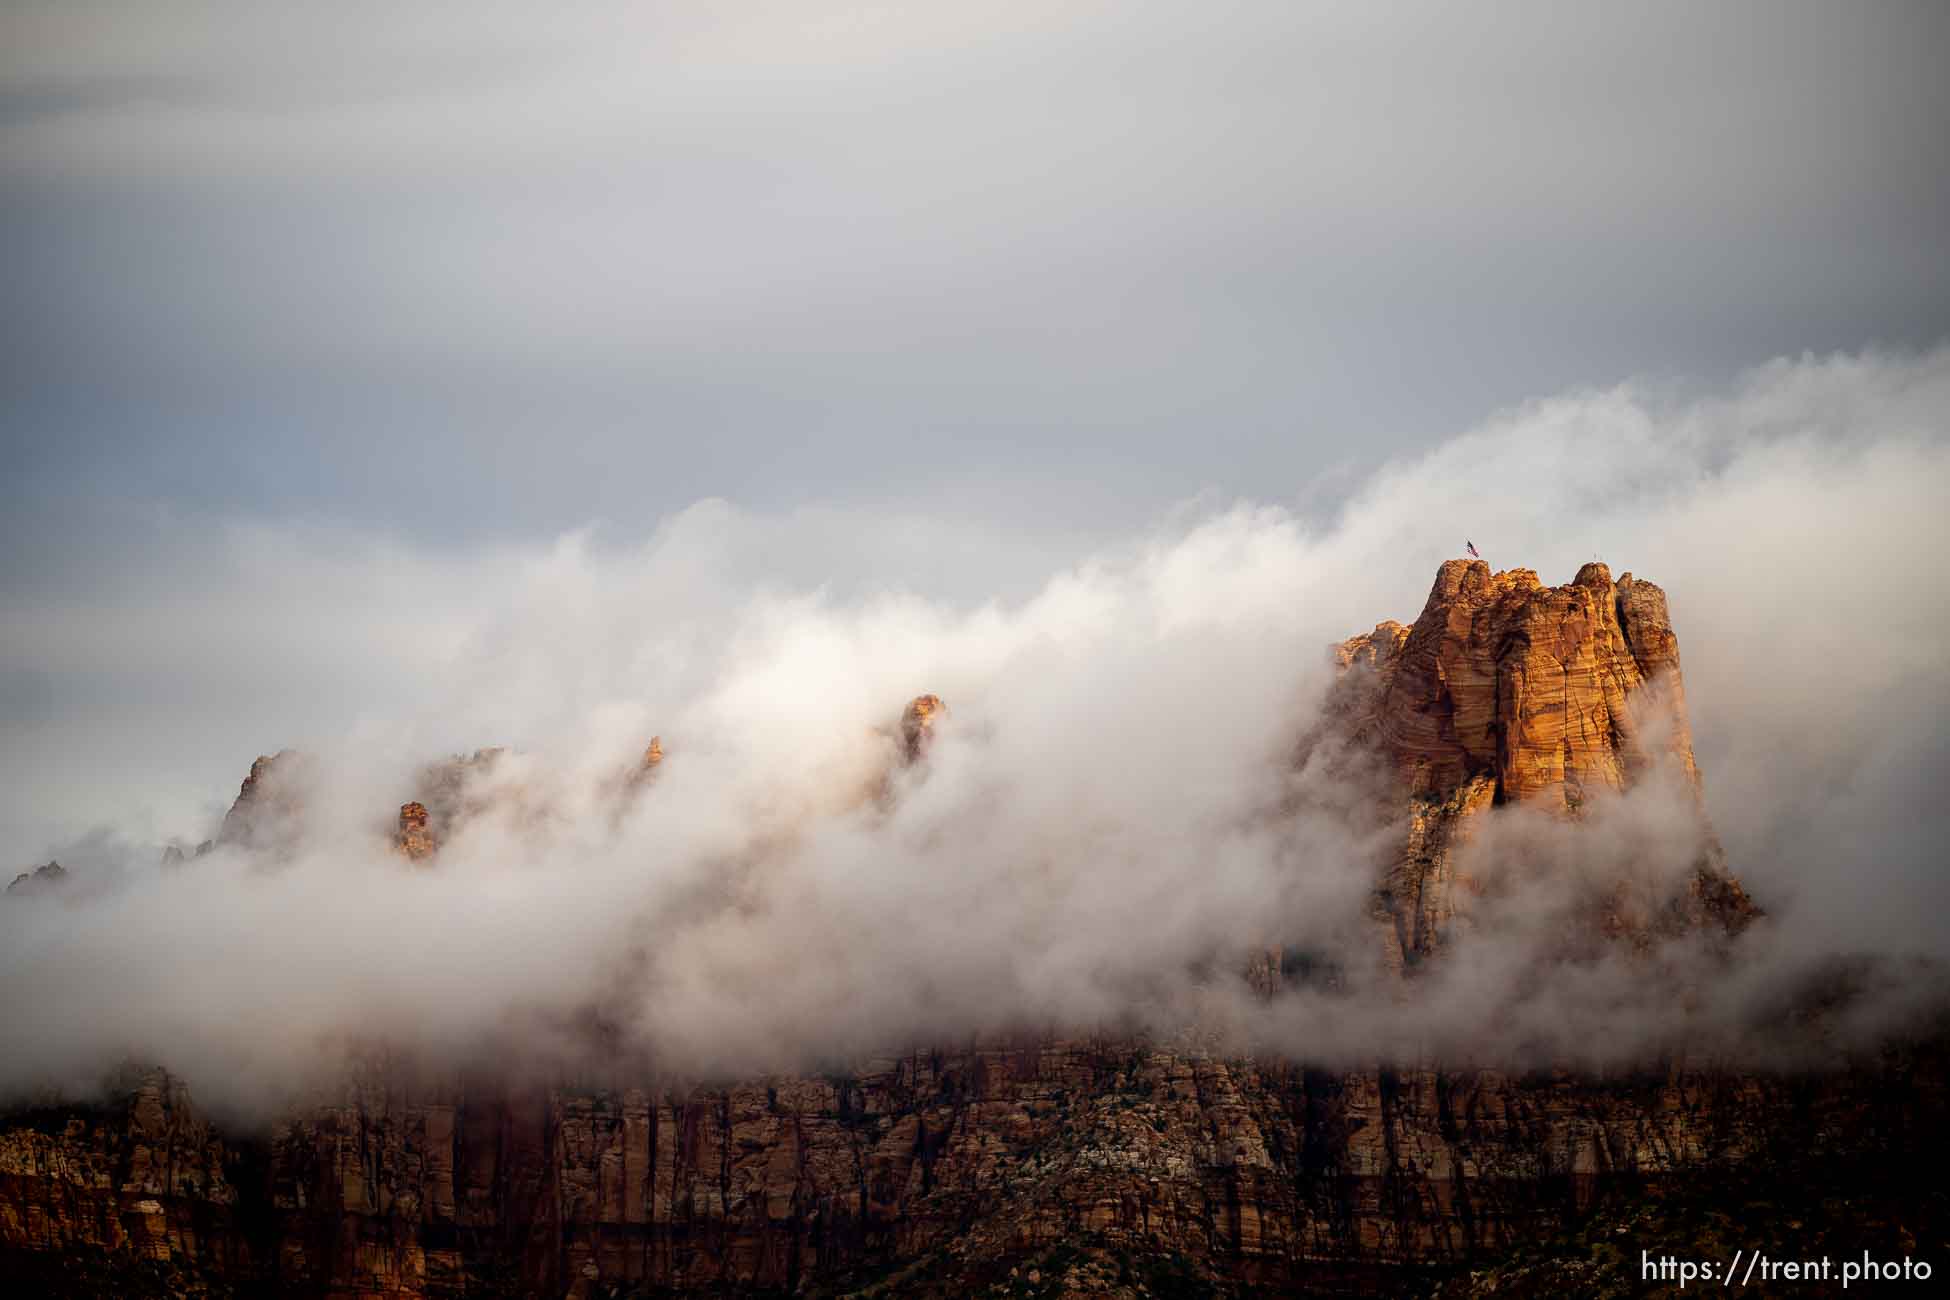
{"x": 1150, "y": 1164}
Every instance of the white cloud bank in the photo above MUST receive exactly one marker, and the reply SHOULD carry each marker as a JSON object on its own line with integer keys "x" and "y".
{"x": 1098, "y": 829}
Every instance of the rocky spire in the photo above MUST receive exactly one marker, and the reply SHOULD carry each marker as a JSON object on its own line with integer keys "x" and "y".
{"x": 414, "y": 839}
{"x": 268, "y": 806}
{"x": 917, "y": 724}
{"x": 1506, "y": 691}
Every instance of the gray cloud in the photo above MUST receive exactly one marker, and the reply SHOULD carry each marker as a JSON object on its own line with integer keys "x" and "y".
{"x": 475, "y": 271}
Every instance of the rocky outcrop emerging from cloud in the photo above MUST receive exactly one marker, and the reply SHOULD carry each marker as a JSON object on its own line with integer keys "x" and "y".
{"x": 1550, "y": 693}
{"x": 1138, "y": 1155}
{"x": 1506, "y": 692}
{"x": 267, "y": 816}
{"x": 43, "y": 879}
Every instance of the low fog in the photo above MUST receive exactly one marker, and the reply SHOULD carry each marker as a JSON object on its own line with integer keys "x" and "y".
{"x": 1108, "y": 821}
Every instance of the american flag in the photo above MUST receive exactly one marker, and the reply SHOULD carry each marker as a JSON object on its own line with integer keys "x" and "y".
{"x": 1472, "y": 548}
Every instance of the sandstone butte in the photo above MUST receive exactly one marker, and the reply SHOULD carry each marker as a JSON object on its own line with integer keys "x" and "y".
{"x": 1506, "y": 691}
{"x": 1053, "y": 1167}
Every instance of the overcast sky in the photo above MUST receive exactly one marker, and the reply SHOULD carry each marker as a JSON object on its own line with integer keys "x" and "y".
{"x": 461, "y": 270}
{"x": 1027, "y": 274}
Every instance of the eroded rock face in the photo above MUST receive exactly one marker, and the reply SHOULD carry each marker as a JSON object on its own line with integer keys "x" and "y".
{"x": 1548, "y": 691}
{"x": 145, "y": 1175}
{"x": 1506, "y": 691}
{"x": 1255, "y": 1172}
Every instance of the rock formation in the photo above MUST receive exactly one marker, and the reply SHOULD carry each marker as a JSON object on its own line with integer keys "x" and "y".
{"x": 267, "y": 815}
{"x": 457, "y": 790}
{"x": 917, "y": 724}
{"x": 414, "y": 840}
{"x": 1117, "y": 1166}
{"x": 639, "y": 776}
{"x": 1506, "y": 691}
{"x": 450, "y": 793}
{"x": 1550, "y": 693}
{"x": 41, "y": 879}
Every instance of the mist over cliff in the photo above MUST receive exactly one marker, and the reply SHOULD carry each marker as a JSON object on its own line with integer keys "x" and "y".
{"x": 1110, "y": 815}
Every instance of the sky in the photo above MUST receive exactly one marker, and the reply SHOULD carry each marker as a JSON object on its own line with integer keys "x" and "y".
{"x": 394, "y": 380}
{"x": 463, "y": 272}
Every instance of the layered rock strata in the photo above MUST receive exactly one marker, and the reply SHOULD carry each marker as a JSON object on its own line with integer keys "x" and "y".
{"x": 1258, "y": 1172}
{"x": 1508, "y": 692}
{"x": 1550, "y": 692}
